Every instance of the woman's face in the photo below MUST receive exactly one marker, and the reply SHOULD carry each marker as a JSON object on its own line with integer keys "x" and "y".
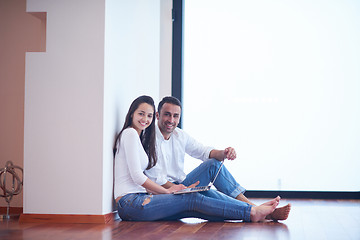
{"x": 142, "y": 117}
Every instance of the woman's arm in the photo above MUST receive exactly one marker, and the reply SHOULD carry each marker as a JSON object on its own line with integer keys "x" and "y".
{"x": 168, "y": 185}
{"x": 135, "y": 154}
{"x": 157, "y": 189}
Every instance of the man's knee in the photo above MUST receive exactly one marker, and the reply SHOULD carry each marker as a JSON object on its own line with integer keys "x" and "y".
{"x": 213, "y": 163}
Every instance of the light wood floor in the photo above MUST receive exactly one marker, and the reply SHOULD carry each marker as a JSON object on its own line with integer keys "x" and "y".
{"x": 309, "y": 219}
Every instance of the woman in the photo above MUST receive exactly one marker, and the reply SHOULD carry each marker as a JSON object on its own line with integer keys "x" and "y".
{"x": 140, "y": 199}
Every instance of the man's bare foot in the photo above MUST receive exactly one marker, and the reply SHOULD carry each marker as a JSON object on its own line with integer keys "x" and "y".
{"x": 259, "y": 213}
{"x": 279, "y": 214}
{"x": 277, "y": 199}
{"x": 242, "y": 198}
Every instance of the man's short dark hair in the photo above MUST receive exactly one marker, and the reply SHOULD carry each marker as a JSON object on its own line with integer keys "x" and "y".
{"x": 169, "y": 99}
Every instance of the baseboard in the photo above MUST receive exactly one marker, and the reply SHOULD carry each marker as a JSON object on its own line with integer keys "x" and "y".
{"x": 303, "y": 194}
{"x": 12, "y": 210}
{"x": 66, "y": 218}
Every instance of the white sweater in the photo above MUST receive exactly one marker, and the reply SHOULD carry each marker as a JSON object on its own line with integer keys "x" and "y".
{"x": 130, "y": 163}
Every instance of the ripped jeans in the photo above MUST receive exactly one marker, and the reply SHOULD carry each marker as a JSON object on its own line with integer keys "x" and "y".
{"x": 147, "y": 207}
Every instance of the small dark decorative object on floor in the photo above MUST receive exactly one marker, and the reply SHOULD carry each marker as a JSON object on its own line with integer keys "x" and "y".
{"x": 12, "y": 188}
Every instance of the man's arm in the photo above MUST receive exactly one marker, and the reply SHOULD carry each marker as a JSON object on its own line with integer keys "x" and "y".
{"x": 220, "y": 155}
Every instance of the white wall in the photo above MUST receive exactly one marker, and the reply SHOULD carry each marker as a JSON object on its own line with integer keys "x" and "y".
{"x": 132, "y": 65}
{"x": 100, "y": 56}
{"x": 165, "y": 47}
{"x": 64, "y": 111}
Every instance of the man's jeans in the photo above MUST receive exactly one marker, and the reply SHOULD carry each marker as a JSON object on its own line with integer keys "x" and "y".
{"x": 225, "y": 182}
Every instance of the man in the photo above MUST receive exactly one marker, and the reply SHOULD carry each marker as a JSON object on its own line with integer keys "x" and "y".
{"x": 171, "y": 145}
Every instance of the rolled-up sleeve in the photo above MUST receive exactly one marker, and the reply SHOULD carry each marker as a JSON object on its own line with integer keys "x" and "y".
{"x": 196, "y": 149}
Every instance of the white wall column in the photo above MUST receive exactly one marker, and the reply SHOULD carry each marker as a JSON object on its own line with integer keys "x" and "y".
{"x": 100, "y": 55}
{"x": 63, "y": 155}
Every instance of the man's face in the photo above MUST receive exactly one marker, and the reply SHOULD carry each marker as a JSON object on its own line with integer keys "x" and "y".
{"x": 168, "y": 119}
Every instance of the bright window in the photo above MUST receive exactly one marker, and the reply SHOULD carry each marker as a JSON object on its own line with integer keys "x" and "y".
{"x": 280, "y": 82}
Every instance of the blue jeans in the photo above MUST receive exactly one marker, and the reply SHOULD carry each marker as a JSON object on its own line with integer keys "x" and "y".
{"x": 225, "y": 182}
{"x": 133, "y": 207}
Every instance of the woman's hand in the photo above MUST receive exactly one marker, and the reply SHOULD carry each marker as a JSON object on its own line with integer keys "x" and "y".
{"x": 194, "y": 184}
{"x": 176, "y": 187}
{"x": 155, "y": 188}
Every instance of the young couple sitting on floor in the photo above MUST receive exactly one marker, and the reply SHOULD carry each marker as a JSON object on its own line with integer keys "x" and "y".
{"x": 149, "y": 162}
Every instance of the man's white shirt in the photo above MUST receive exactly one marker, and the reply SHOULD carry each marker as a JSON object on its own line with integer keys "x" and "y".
{"x": 171, "y": 155}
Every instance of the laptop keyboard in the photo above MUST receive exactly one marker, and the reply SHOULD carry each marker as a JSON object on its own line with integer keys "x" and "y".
{"x": 198, "y": 188}
{"x": 194, "y": 189}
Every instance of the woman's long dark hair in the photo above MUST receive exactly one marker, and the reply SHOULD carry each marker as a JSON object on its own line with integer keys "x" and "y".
{"x": 147, "y": 136}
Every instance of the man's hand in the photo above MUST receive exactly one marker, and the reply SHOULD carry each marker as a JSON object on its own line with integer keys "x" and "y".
{"x": 230, "y": 153}
{"x": 221, "y": 155}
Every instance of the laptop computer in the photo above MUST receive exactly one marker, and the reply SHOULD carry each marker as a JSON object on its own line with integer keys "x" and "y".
{"x": 203, "y": 188}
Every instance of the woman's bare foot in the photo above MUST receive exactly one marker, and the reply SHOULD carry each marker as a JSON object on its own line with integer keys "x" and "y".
{"x": 259, "y": 213}
{"x": 279, "y": 214}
